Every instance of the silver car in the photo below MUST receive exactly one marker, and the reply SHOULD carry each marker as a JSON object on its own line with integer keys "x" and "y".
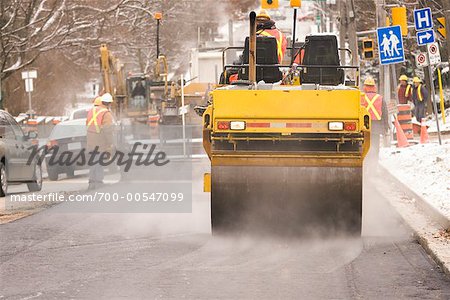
{"x": 19, "y": 159}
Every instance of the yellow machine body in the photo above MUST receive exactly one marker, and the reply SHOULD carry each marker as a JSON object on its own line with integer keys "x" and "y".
{"x": 283, "y": 164}
{"x": 287, "y": 115}
{"x": 287, "y": 153}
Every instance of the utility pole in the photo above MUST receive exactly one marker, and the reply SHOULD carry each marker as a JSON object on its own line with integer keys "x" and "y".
{"x": 1, "y": 96}
{"x": 158, "y": 17}
{"x": 384, "y": 80}
{"x": 343, "y": 28}
{"x": 352, "y": 39}
{"x": 446, "y": 6}
{"x": 323, "y": 19}
{"x": 347, "y": 31}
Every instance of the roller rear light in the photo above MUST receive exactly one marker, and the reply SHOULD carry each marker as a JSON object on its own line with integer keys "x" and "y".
{"x": 237, "y": 125}
{"x": 350, "y": 126}
{"x": 335, "y": 126}
{"x": 223, "y": 125}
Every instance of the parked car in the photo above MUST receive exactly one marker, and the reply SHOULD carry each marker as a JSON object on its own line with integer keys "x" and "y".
{"x": 79, "y": 113}
{"x": 69, "y": 139}
{"x": 17, "y": 164}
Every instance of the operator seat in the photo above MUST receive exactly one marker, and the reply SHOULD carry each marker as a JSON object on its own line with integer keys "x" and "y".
{"x": 322, "y": 50}
{"x": 267, "y": 55}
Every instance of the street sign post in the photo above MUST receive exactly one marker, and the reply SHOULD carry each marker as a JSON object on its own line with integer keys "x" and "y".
{"x": 423, "y": 22}
{"x": 434, "y": 54}
{"x": 183, "y": 115}
{"x": 421, "y": 60}
{"x": 423, "y": 19}
{"x": 390, "y": 45}
{"x": 28, "y": 76}
{"x": 430, "y": 75}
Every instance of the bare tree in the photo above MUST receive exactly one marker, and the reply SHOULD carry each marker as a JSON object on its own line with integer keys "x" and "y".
{"x": 75, "y": 29}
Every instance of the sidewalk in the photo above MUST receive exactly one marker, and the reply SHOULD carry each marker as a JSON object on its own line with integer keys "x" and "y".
{"x": 425, "y": 169}
{"x": 419, "y": 178}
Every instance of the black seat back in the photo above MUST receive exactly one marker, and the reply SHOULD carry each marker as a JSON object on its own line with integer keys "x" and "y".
{"x": 266, "y": 54}
{"x": 322, "y": 50}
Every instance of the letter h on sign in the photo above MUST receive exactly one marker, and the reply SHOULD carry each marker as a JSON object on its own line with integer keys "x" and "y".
{"x": 423, "y": 18}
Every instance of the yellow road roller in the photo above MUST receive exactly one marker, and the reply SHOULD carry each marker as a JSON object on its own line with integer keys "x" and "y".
{"x": 286, "y": 143}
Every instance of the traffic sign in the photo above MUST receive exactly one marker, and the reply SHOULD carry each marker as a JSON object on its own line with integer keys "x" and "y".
{"x": 433, "y": 52}
{"x": 28, "y": 85}
{"x": 441, "y": 29}
{"x": 423, "y": 19}
{"x": 29, "y": 74}
{"x": 390, "y": 45}
{"x": 421, "y": 60}
{"x": 425, "y": 37}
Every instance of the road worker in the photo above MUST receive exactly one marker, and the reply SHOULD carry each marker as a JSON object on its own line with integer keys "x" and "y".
{"x": 266, "y": 27}
{"x": 419, "y": 98}
{"x": 375, "y": 106}
{"x": 404, "y": 90}
{"x": 99, "y": 138}
{"x": 97, "y": 101}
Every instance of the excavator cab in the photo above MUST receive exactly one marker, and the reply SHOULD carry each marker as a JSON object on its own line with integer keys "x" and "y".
{"x": 138, "y": 95}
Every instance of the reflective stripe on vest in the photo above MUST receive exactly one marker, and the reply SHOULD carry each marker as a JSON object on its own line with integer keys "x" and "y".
{"x": 419, "y": 92}
{"x": 407, "y": 90}
{"x": 279, "y": 39}
{"x": 95, "y": 118}
{"x": 374, "y": 106}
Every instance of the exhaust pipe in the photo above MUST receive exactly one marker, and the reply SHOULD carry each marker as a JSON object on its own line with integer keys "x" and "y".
{"x": 252, "y": 49}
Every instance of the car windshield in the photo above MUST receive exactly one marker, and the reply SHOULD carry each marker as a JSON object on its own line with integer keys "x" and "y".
{"x": 62, "y": 131}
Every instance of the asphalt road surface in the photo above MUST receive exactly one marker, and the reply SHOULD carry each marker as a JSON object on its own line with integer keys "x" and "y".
{"x": 57, "y": 255}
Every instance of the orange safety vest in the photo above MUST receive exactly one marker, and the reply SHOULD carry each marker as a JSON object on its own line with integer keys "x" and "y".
{"x": 281, "y": 41}
{"x": 373, "y": 105}
{"x": 95, "y": 119}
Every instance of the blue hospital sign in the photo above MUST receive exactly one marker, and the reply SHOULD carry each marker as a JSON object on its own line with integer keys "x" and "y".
{"x": 390, "y": 45}
{"x": 423, "y": 19}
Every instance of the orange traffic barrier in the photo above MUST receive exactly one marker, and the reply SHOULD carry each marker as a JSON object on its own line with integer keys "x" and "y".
{"x": 404, "y": 118}
{"x": 153, "y": 120}
{"x": 32, "y": 122}
{"x": 402, "y": 141}
{"x": 423, "y": 133}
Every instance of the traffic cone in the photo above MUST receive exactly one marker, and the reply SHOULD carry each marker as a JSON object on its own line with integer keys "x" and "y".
{"x": 423, "y": 133}
{"x": 402, "y": 141}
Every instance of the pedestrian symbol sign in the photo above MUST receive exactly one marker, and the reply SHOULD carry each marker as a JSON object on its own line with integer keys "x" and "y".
{"x": 390, "y": 45}
{"x": 423, "y": 19}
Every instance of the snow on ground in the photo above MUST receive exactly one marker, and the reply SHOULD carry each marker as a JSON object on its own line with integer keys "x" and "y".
{"x": 425, "y": 169}
{"x": 431, "y": 122}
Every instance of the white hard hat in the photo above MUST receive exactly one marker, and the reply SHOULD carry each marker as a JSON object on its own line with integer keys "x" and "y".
{"x": 107, "y": 98}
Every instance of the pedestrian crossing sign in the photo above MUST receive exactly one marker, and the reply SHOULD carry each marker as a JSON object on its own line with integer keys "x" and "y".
{"x": 390, "y": 45}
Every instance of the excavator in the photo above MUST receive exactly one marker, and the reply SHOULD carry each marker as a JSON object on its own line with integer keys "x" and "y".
{"x": 287, "y": 148}
{"x": 137, "y": 106}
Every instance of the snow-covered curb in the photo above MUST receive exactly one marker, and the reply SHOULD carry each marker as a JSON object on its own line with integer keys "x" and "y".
{"x": 425, "y": 170}
{"x": 433, "y": 238}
